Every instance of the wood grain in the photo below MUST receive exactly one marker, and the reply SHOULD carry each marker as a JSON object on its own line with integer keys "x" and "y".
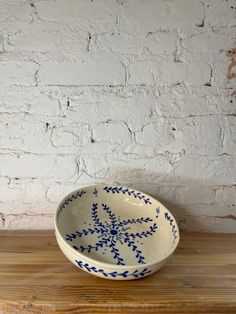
{"x": 35, "y": 277}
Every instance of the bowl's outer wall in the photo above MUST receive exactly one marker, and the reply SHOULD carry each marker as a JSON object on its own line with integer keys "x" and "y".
{"x": 72, "y": 256}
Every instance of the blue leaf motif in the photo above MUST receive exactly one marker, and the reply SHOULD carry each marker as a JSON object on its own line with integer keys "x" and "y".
{"x": 109, "y": 234}
{"x": 113, "y": 190}
{"x": 124, "y": 274}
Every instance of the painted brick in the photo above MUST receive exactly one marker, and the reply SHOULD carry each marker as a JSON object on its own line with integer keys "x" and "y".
{"x": 169, "y": 73}
{"x": 54, "y": 41}
{"x": 18, "y": 73}
{"x": 185, "y": 105}
{"x": 112, "y": 132}
{"x": 161, "y": 43}
{"x": 19, "y": 136}
{"x": 227, "y": 193}
{"x": 206, "y": 43}
{"x": 67, "y": 138}
{"x": 15, "y": 11}
{"x": 196, "y": 194}
{"x": 30, "y": 222}
{"x": 218, "y": 170}
{"x": 220, "y": 13}
{"x": 27, "y": 166}
{"x": 108, "y": 73}
{"x": 219, "y": 78}
{"x": 143, "y": 16}
{"x": 103, "y": 106}
{"x": 99, "y": 16}
{"x": 32, "y": 100}
{"x": 58, "y": 191}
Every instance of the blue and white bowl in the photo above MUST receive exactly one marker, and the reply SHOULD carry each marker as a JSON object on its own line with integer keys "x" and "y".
{"x": 115, "y": 232}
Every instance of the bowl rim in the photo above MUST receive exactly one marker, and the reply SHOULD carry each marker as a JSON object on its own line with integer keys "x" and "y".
{"x": 92, "y": 260}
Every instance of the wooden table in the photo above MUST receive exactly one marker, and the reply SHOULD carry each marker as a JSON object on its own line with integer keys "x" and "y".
{"x": 35, "y": 277}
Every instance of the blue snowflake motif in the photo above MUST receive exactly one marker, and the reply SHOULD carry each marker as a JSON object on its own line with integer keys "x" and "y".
{"x": 109, "y": 233}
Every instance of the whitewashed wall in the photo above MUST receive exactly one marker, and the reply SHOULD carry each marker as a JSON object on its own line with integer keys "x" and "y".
{"x": 129, "y": 92}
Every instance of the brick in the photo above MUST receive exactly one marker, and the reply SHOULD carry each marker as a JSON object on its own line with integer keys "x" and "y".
{"x": 12, "y": 99}
{"x": 92, "y": 15}
{"x": 220, "y": 13}
{"x": 120, "y": 43}
{"x": 199, "y": 135}
{"x": 15, "y": 11}
{"x": 185, "y": 105}
{"x": 98, "y": 149}
{"x": 57, "y": 42}
{"x": 219, "y": 76}
{"x": 146, "y": 170}
{"x": 218, "y": 170}
{"x": 56, "y": 192}
{"x": 42, "y": 104}
{"x": 195, "y": 135}
{"x": 188, "y": 73}
{"x": 206, "y": 43}
{"x": 21, "y": 136}
{"x": 53, "y": 138}
{"x": 18, "y": 73}
{"x": 9, "y": 194}
{"x": 169, "y": 73}
{"x": 161, "y": 43}
{"x": 140, "y": 16}
{"x": 1, "y": 42}
{"x": 18, "y": 207}
{"x": 34, "y": 39}
{"x": 231, "y": 122}
{"x": 229, "y": 139}
{"x": 139, "y": 150}
{"x": 22, "y": 196}
{"x": 157, "y": 134}
{"x": 103, "y": 106}
{"x": 142, "y": 73}
{"x": 112, "y": 132}
{"x": 31, "y": 166}
{"x": 195, "y": 195}
{"x": 107, "y": 73}
{"x": 228, "y": 196}
{"x": 34, "y": 192}
{"x": 70, "y": 137}
{"x": 31, "y": 100}
{"x": 29, "y": 222}
{"x": 143, "y": 170}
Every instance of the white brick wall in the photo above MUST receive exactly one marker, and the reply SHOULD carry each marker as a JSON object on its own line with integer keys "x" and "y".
{"x": 131, "y": 92}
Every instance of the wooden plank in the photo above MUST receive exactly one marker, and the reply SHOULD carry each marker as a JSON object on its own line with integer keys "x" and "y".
{"x": 20, "y": 241}
{"x": 35, "y": 277}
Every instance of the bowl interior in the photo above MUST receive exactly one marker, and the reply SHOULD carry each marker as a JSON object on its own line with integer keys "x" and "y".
{"x": 116, "y": 225}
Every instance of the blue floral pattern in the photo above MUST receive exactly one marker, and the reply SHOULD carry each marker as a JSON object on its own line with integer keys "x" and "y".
{"x": 116, "y": 189}
{"x": 173, "y": 227}
{"x": 69, "y": 200}
{"x": 124, "y": 274}
{"x": 113, "y": 232}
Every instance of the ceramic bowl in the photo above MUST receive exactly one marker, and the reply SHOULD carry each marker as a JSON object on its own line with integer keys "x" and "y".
{"x": 115, "y": 232}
